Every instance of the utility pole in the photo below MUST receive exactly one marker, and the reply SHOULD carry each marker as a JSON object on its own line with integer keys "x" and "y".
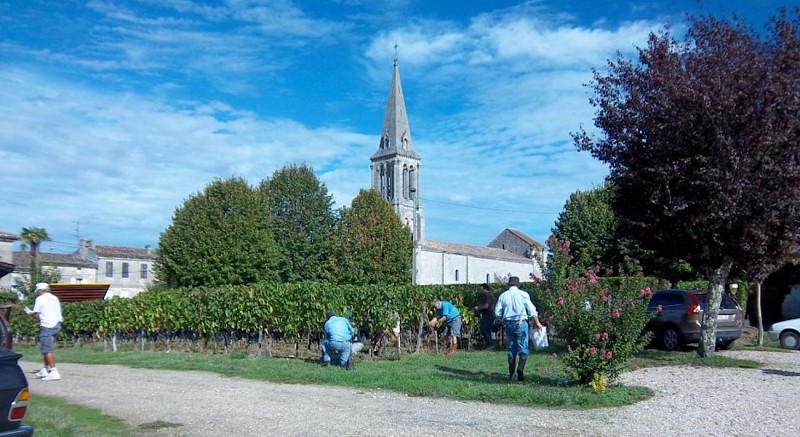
{"x": 415, "y": 236}
{"x": 77, "y": 234}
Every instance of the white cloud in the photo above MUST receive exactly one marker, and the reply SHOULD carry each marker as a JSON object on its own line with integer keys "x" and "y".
{"x": 516, "y": 78}
{"x": 103, "y": 153}
{"x": 492, "y": 101}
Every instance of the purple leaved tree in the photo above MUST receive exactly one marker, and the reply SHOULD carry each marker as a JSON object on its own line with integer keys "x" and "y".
{"x": 703, "y": 141}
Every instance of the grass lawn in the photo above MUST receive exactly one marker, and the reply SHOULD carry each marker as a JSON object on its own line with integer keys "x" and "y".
{"x": 51, "y": 416}
{"x": 468, "y": 376}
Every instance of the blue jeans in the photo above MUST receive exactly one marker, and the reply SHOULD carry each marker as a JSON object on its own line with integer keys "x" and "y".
{"x": 336, "y": 352}
{"x": 517, "y": 333}
{"x": 486, "y": 329}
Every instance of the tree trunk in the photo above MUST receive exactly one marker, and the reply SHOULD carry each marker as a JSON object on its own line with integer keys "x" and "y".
{"x": 758, "y": 315}
{"x": 34, "y": 263}
{"x": 717, "y": 277}
{"x": 421, "y": 326}
{"x": 260, "y": 338}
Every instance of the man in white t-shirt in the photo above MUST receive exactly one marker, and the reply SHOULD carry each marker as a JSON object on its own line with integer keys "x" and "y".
{"x": 47, "y": 309}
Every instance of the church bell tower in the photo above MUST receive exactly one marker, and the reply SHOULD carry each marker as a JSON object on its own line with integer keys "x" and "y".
{"x": 395, "y": 167}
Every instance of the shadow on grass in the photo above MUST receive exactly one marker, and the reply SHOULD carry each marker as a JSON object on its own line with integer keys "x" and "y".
{"x": 495, "y": 377}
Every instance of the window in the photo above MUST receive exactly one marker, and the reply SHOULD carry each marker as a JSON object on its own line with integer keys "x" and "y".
{"x": 456, "y": 275}
{"x": 412, "y": 183}
{"x": 406, "y": 192}
{"x": 143, "y": 274}
{"x": 109, "y": 269}
{"x": 124, "y": 270}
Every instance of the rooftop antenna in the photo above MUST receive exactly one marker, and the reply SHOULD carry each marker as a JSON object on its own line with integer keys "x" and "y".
{"x": 395, "y": 53}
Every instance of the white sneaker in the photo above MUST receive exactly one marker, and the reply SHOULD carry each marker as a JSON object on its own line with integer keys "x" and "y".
{"x": 42, "y": 373}
{"x": 52, "y": 376}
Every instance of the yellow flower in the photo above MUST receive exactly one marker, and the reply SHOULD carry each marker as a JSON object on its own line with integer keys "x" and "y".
{"x": 599, "y": 383}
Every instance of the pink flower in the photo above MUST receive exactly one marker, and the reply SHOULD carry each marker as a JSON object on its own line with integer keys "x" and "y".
{"x": 609, "y": 271}
{"x": 592, "y": 275}
{"x": 597, "y": 336}
{"x": 592, "y": 351}
{"x": 575, "y": 285}
{"x": 554, "y": 355}
{"x": 561, "y": 300}
{"x": 605, "y": 298}
{"x": 633, "y": 304}
{"x": 659, "y": 308}
{"x": 646, "y": 292}
{"x": 609, "y": 355}
{"x": 602, "y": 352}
{"x": 605, "y": 336}
{"x": 615, "y": 314}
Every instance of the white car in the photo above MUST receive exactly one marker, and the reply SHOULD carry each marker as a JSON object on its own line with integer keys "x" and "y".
{"x": 788, "y": 332}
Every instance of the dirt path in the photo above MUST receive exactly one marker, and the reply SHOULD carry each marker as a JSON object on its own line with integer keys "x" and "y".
{"x": 744, "y": 402}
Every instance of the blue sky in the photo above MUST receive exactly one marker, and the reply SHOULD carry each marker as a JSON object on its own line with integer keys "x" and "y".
{"x": 112, "y": 112}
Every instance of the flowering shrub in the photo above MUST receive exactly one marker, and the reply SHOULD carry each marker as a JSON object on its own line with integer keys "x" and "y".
{"x": 601, "y": 320}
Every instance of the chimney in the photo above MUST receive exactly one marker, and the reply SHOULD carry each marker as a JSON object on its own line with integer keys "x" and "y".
{"x": 148, "y": 249}
{"x": 86, "y": 250}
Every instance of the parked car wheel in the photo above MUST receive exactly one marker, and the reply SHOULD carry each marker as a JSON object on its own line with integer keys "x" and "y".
{"x": 671, "y": 339}
{"x": 790, "y": 340}
{"x": 725, "y": 345}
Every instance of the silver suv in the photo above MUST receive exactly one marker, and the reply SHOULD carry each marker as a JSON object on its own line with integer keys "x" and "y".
{"x": 681, "y": 316}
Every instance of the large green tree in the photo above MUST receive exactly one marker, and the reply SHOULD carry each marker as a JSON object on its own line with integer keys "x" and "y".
{"x": 703, "y": 141}
{"x": 302, "y": 218}
{"x": 370, "y": 245}
{"x": 590, "y": 224}
{"x": 33, "y": 237}
{"x": 222, "y": 236}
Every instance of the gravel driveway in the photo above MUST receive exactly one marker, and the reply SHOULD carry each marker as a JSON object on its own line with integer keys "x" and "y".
{"x": 744, "y": 402}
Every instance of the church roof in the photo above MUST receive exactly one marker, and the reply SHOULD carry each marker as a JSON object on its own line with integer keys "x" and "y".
{"x": 396, "y": 133}
{"x": 466, "y": 249}
{"x": 525, "y": 238}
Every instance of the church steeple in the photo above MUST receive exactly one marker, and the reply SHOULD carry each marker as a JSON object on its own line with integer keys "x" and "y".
{"x": 396, "y": 166}
{"x": 396, "y": 133}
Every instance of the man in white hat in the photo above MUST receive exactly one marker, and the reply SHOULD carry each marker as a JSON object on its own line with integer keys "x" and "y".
{"x": 47, "y": 309}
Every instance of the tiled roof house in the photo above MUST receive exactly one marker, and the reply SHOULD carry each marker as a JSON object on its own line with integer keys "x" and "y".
{"x": 127, "y": 270}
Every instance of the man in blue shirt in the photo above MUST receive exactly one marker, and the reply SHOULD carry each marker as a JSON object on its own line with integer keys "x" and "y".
{"x": 336, "y": 347}
{"x": 447, "y": 313}
{"x": 514, "y": 308}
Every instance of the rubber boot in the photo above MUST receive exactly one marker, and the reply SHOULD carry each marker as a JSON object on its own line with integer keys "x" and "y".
{"x": 521, "y": 369}
{"x": 512, "y": 365}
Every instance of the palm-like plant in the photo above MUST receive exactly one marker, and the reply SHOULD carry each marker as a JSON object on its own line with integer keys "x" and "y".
{"x": 33, "y": 236}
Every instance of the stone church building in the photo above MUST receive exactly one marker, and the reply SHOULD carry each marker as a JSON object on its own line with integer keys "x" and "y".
{"x": 396, "y": 175}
